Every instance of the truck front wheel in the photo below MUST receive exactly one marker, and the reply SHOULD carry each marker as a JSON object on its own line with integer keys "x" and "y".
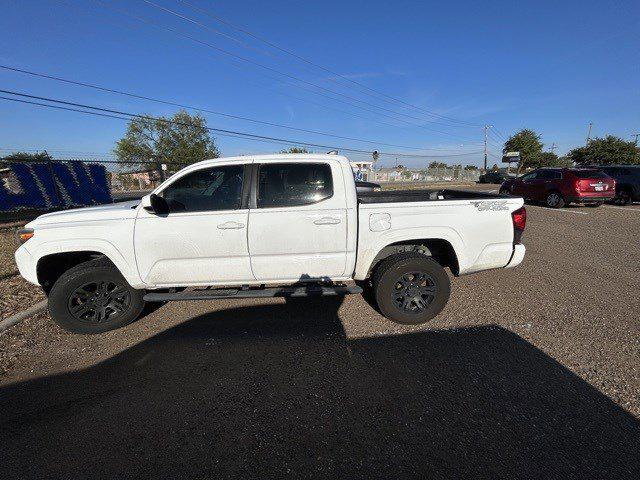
{"x": 94, "y": 297}
{"x": 411, "y": 288}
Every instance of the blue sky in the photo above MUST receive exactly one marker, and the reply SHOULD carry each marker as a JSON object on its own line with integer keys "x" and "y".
{"x": 549, "y": 66}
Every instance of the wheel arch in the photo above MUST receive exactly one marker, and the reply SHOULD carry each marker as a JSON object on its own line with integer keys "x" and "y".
{"x": 54, "y": 260}
{"x": 440, "y": 249}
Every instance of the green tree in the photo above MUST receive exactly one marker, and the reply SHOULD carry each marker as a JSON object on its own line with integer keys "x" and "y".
{"x": 606, "y": 151}
{"x": 470, "y": 167}
{"x": 295, "y": 150}
{"x": 183, "y": 138}
{"x": 25, "y": 157}
{"x": 436, "y": 164}
{"x": 528, "y": 143}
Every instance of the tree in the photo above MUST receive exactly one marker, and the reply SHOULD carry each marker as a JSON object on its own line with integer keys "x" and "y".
{"x": 182, "y": 138}
{"x": 436, "y": 164}
{"x": 470, "y": 167}
{"x": 606, "y": 151}
{"x": 528, "y": 143}
{"x": 295, "y": 150}
{"x": 25, "y": 157}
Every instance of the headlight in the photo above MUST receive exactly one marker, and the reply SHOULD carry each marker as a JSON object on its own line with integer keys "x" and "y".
{"x": 25, "y": 234}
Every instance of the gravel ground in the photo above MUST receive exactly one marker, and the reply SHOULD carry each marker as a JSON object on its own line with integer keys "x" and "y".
{"x": 532, "y": 373}
{"x": 7, "y": 247}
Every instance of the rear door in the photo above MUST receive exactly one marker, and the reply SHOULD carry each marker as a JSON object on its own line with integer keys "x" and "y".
{"x": 298, "y": 221}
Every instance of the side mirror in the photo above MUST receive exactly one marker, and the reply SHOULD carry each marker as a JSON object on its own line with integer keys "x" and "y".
{"x": 155, "y": 204}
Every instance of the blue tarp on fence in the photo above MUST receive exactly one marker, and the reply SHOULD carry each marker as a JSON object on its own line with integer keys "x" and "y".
{"x": 53, "y": 185}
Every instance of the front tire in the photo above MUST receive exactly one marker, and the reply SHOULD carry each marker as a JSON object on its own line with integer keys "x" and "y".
{"x": 622, "y": 198}
{"x": 554, "y": 200}
{"x": 94, "y": 297}
{"x": 411, "y": 288}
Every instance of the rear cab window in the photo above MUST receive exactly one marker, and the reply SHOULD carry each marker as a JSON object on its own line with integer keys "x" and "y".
{"x": 293, "y": 184}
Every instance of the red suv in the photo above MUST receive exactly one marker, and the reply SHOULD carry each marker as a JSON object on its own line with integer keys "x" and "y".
{"x": 557, "y": 187}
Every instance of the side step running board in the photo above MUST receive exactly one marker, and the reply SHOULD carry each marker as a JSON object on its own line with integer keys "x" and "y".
{"x": 211, "y": 294}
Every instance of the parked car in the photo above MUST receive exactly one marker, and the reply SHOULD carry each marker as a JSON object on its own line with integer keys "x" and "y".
{"x": 265, "y": 226}
{"x": 493, "y": 177}
{"x": 362, "y": 186}
{"x": 627, "y": 179}
{"x": 558, "y": 187}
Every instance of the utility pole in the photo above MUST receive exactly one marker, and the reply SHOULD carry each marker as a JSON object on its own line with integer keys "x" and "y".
{"x": 486, "y": 129}
{"x": 589, "y": 133}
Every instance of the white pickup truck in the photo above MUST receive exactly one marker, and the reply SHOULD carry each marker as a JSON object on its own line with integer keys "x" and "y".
{"x": 264, "y": 226}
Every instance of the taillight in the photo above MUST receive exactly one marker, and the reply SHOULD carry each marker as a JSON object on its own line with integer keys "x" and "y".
{"x": 519, "y": 218}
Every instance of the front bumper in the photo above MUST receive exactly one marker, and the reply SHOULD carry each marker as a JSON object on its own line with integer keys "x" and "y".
{"x": 26, "y": 265}
{"x": 518, "y": 255}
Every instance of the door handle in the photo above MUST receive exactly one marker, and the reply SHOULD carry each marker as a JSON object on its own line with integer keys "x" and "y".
{"x": 230, "y": 226}
{"x": 327, "y": 221}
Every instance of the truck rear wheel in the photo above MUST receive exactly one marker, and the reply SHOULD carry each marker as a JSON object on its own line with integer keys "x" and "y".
{"x": 411, "y": 288}
{"x": 94, "y": 297}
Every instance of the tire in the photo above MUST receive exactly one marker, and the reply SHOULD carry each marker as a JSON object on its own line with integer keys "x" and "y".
{"x": 94, "y": 297}
{"x": 622, "y": 198}
{"x": 554, "y": 200}
{"x": 594, "y": 205}
{"x": 398, "y": 282}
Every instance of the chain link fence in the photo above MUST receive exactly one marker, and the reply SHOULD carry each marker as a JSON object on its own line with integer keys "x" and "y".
{"x": 441, "y": 174}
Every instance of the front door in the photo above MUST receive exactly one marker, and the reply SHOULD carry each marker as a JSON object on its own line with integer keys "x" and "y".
{"x": 298, "y": 228}
{"x": 525, "y": 185}
{"x": 203, "y": 239}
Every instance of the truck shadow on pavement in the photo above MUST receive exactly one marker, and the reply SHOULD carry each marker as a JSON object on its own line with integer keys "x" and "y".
{"x": 278, "y": 390}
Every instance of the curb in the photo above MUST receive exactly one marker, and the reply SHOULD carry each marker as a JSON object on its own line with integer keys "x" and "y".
{"x": 19, "y": 317}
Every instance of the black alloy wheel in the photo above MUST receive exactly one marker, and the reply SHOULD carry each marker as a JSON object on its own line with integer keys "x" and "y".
{"x": 414, "y": 292}
{"x": 99, "y": 301}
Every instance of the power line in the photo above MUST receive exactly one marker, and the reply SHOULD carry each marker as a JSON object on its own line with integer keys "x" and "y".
{"x": 110, "y": 113}
{"x": 200, "y": 109}
{"x": 503, "y": 137}
{"x": 286, "y": 75}
{"x": 316, "y": 65}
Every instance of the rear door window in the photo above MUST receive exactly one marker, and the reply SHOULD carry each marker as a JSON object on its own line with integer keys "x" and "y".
{"x": 293, "y": 184}
{"x": 589, "y": 174}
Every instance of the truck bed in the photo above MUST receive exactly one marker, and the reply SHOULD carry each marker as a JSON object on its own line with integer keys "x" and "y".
{"x": 394, "y": 196}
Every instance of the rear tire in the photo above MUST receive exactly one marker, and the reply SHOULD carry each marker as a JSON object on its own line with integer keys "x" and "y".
{"x": 94, "y": 297}
{"x": 554, "y": 200}
{"x": 411, "y": 288}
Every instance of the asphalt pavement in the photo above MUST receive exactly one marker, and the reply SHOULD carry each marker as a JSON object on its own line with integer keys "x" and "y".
{"x": 528, "y": 373}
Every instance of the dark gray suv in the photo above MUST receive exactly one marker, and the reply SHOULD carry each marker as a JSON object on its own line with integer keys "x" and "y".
{"x": 627, "y": 179}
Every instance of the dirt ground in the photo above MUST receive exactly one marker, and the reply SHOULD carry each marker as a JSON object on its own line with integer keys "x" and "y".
{"x": 532, "y": 372}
